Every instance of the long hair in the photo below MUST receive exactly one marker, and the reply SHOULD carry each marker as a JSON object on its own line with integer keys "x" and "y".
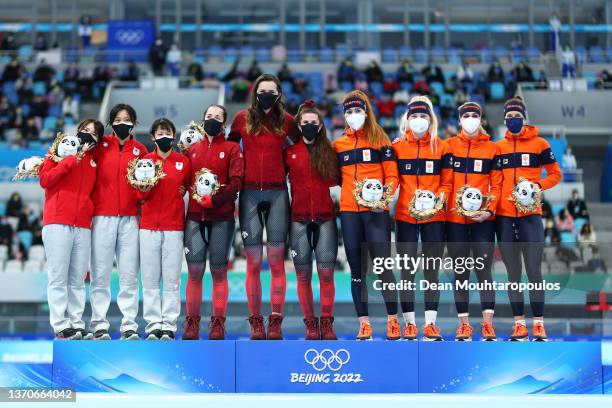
{"x": 433, "y": 123}
{"x": 373, "y": 132}
{"x": 257, "y": 118}
{"x": 322, "y": 156}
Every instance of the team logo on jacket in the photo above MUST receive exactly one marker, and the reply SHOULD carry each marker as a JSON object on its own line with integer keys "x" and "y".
{"x": 92, "y": 163}
{"x": 367, "y": 156}
{"x": 105, "y": 144}
{"x": 387, "y": 152}
{"x": 179, "y": 165}
{"x": 221, "y": 155}
{"x": 136, "y": 151}
{"x": 478, "y": 165}
{"x": 346, "y": 157}
{"x": 293, "y": 253}
{"x": 293, "y": 156}
{"x": 525, "y": 159}
{"x": 429, "y": 167}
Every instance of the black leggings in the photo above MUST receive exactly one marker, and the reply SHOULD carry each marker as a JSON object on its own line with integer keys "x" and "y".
{"x": 372, "y": 228}
{"x": 263, "y": 207}
{"x": 432, "y": 237}
{"x": 214, "y": 237}
{"x": 475, "y": 240}
{"x": 522, "y": 236}
{"x": 320, "y": 237}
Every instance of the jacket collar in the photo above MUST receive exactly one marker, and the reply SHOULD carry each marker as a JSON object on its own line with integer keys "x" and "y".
{"x": 528, "y": 132}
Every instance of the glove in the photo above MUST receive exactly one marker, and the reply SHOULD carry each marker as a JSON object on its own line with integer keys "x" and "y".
{"x": 206, "y": 202}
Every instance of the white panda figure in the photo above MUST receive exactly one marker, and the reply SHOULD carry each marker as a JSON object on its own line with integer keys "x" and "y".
{"x": 425, "y": 200}
{"x": 145, "y": 169}
{"x": 205, "y": 183}
{"x": 189, "y": 136}
{"x": 471, "y": 199}
{"x": 28, "y": 164}
{"x": 524, "y": 192}
{"x": 372, "y": 190}
{"x": 68, "y": 146}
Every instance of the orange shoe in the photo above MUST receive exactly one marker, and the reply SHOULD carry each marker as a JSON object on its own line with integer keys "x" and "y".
{"x": 431, "y": 333}
{"x": 539, "y": 334}
{"x": 411, "y": 332}
{"x": 464, "y": 332}
{"x": 519, "y": 333}
{"x": 365, "y": 331}
{"x": 393, "y": 329}
{"x": 488, "y": 332}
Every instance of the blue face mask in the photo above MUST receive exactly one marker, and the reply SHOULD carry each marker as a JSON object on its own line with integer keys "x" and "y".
{"x": 514, "y": 125}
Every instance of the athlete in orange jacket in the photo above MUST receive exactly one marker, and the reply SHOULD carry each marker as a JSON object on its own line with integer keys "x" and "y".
{"x": 364, "y": 152}
{"x": 475, "y": 163}
{"x": 423, "y": 163}
{"x": 523, "y": 154}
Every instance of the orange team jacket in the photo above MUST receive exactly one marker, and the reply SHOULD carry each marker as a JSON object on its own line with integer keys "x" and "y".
{"x": 475, "y": 162}
{"x": 421, "y": 167}
{"x": 359, "y": 159}
{"x": 524, "y": 155}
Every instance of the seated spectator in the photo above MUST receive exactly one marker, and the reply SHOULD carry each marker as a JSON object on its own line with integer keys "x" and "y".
{"x": 14, "y": 205}
{"x": 522, "y": 73}
{"x": 390, "y": 85}
{"x": 432, "y": 73}
{"x": 131, "y": 72}
{"x": 284, "y": 73}
{"x": 405, "y": 72}
{"x": 546, "y": 209}
{"x": 464, "y": 72}
{"x": 551, "y": 233}
{"x": 44, "y": 72}
{"x": 254, "y": 72}
{"x": 565, "y": 221}
{"x": 29, "y": 130}
{"x": 577, "y": 206}
{"x": 9, "y": 43}
{"x": 374, "y": 72}
{"x": 587, "y": 235}
{"x": 55, "y": 97}
{"x": 71, "y": 73}
{"x": 40, "y": 107}
{"x": 569, "y": 160}
{"x": 496, "y": 72}
{"x": 460, "y": 97}
{"x": 40, "y": 44}
{"x": 70, "y": 107}
{"x": 596, "y": 263}
{"x": 346, "y": 71}
{"x": 12, "y": 71}
{"x": 6, "y": 233}
{"x": 604, "y": 80}
{"x": 386, "y": 106}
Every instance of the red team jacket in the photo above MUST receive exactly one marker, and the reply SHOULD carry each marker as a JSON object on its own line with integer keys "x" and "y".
{"x": 225, "y": 160}
{"x": 163, "y": 207}
{"x": 310, "y": 197}
{"x": 263, "y": 153}
{"x": 68, "y": 186}
{"x": 112, "y": 194}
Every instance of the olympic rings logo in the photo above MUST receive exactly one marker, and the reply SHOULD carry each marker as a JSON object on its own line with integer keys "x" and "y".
{"x": 129, "y": 37}
{"x": 327, "y": 359}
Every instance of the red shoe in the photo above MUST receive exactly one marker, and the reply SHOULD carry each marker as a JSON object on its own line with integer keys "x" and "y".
{"x": 519, "y": 333}
{"x": 327, "y": 329}
{"x": 539, "y": 334}
{"x": 393, "y": 329}
{"x": 275, "y": 331}
{"x": 411, "y": 332}
{"x": 312, "y": 328}
{"x": 431, "y": 332}
{"x": 258, "y": 331}
{"x": 216, "y": 331}
{"x": 464, "y": 332}
{"x": 192, "y": 331}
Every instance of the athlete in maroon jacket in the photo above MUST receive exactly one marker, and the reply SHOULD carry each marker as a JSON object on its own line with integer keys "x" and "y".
{"x": 313, "y": 169}
{"x": 210, "y": 222}
{"x": 263, "y": 129}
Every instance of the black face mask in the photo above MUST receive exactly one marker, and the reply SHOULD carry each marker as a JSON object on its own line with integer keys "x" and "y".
{"x": 310, "y": 131}
{"x": 164, "y": 144}
{"x": 212, "y": 127}
{"x": 122, "y": 130}
{"x": 266, "y": 100}
{"x": 86, "y": 138}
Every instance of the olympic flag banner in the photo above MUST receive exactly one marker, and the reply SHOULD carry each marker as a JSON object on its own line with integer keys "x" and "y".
{"x": 130, "y": 34}
{"x": 326, "y": 366}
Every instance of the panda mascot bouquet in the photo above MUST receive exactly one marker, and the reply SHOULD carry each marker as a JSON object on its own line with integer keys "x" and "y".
{"x": 469, "y": 201}
{"x": 424, "y": 204}
{"x": 527, "y": 196}
{"x": 206, "y": 184}
{"x": 371, "y": 193}
{"x": 28, "y": 168}
{"x": 192, "y": 134}
{"x": 144, "y": 174}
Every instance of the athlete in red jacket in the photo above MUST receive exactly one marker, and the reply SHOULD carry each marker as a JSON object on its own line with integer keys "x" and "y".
{"x": 115, "y": 226}
{"x": 313, "y": 169}
{"x": 263, "y": 129}
{"x": 210, "y": 222}
{"x": 66, "y": 232}
{"x": 161, "y": 235}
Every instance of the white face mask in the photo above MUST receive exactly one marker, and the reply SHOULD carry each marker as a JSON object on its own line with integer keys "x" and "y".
{"x": 356, "y": 120}
{"x": 418, "y": 125}
{"x": 470, "y": 125}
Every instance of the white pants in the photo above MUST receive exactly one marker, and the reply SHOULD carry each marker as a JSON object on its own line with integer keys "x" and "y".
{"x": 162, "y": 256}
{"x": 114, "y": 236}
{"x": 67, "y": 249}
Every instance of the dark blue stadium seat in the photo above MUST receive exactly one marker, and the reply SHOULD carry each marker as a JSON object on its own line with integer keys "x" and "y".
{"x": 454, "y": 55}
{"x": 263, "y": 54}
{"x": 326, "y": 54}
{"x": 497, "y": 91}
{"x": 596, "y": 55}
{"x": 399, "y": 110}
{"x": 389, "y": 55}
{"x": 376, "y": 88}
{"x": 405, "y": 53}
{"x": 438, "y": 87}
{"x": 421, "y": 55}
